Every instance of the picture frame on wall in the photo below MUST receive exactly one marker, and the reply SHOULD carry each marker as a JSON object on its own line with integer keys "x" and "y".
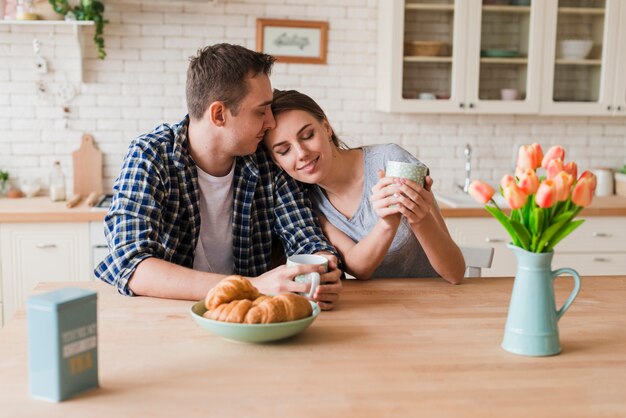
{"x": 296, "y": 41}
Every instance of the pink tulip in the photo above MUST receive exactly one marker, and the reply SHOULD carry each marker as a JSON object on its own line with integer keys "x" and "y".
{"x": 554, "y": 153}
{"x": 592, "y": 177}
{"x": 554, "y": 167}
{"x": 546, "y": 194}
{"x": 528, "y": 181}
{"x": 563, "y": 183}
{"x": 514, "y": 196}
{"x": 583, "y": 191}
{"x": 529, "y": 156}
{"x": 571, "y": 168}
{"x": 480, "y": 191}
{"x": 506, "y": 180}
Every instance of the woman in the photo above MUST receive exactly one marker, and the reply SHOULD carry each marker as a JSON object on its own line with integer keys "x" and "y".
{"x": 382, "y": 226}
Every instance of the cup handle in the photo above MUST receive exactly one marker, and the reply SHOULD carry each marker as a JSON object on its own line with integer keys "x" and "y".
{"x": 315, "y": 282}
{"x": 572, "y": 295}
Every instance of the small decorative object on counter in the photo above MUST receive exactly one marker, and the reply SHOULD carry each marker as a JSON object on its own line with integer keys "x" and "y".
{"x": 57, "y": 183}
{"x": 24, "y": 10}
{"x": 4, "y": 182}
{"x": 605, "y": 184}
{"x": 620, "y": 182}
{"x": 543, "y": 209}
{"x": 62, "y": 344}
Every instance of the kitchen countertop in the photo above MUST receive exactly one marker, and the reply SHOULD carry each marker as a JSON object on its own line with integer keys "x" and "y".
{"x": 600, "y": 206}
{"x": 393, "y": 347}
{"x": 41, "y": 209}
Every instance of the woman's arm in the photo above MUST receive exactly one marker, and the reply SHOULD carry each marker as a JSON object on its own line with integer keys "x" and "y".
{"x": 418, "y": 206}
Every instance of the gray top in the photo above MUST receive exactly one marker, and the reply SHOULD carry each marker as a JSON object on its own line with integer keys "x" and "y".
{"x": 406, "y": 257}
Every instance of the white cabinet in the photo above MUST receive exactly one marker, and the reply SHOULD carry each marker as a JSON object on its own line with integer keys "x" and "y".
{"x": 597, "y": 247}
{"x": 34, "y": 252}
{"x": 484, "y": 48}
{"x": 585, "y": 85}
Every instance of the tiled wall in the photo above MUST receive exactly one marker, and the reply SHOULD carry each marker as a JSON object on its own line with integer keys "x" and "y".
{"x": 141, "y": 83}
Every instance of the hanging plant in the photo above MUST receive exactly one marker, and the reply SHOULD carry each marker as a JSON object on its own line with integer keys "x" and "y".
{"x": 85, "y": 10}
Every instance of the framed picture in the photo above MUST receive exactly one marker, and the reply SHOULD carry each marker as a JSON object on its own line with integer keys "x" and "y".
{"x": 299, "y": 41}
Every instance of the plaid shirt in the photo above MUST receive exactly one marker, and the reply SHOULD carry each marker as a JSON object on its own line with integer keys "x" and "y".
{"x": 155, "y": 211}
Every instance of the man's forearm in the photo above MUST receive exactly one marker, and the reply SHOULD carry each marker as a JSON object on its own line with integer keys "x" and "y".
{"x": 162, "y": 279}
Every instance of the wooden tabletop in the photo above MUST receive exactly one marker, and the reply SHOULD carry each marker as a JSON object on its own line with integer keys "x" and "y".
{"x": 393, "y": 348}
{"x": 41, "y": 209}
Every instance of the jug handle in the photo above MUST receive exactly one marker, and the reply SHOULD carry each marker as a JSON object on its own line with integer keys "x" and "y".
{"x": 572, "y": 295}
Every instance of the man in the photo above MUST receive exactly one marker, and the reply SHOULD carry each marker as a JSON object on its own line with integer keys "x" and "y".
{"x": 197, "y": 200}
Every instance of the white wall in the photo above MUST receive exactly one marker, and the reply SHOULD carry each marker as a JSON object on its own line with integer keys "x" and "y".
{"x": 141, "y": 83}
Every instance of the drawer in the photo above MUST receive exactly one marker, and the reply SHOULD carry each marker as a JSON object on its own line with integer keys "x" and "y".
{"x": 592, "y": 264}
{"x": 596, "y": 234}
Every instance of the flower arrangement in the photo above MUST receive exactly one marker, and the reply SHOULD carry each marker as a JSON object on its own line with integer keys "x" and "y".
{"x": 542, "y": 208}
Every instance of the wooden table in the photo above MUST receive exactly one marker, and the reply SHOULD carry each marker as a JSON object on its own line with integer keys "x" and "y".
{"x": 393, "y": 348}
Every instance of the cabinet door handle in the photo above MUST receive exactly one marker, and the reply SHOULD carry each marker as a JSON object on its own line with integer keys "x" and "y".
{"x": 619, "y": 108}
{"x": 42, "y": 246}
{"x": 461, "y": 105}
{"x": 609, "y": 107}
{"x": 488, "y": 239}
{"x": 601, "y": 234}
{"x": 471, "y": 105}
{"x": 601, "y": 259}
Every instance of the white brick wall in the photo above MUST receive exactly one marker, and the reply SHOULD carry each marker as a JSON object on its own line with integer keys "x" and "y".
{"x": 141, "y": 84}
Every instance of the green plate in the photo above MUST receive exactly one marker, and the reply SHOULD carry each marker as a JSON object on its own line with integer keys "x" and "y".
{"x": 252, "y": 333}
{"x": 499, "y": 53}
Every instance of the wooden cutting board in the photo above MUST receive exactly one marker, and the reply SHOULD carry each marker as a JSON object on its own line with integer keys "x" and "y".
{"x": 87, "y": 161}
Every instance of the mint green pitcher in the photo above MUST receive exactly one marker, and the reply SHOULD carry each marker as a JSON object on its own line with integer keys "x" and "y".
{"x": 531, "y": 327}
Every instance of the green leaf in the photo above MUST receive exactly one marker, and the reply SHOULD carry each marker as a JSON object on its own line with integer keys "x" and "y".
{"x": 547, "y": 235}
{"x": 536, "y": 221}
{"x": 522, "y": 234}
{"x": 563, "y": 232}
{"x": 502, "y": 218}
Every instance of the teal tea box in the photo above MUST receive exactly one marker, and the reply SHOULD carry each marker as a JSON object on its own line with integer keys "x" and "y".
{"x": 62, "y": 343}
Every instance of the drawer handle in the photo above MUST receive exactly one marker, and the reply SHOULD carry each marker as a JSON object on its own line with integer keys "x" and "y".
{"x": 42, "y": 246}
{"x": 601, "y": 234}
{"x": 601, "y": 259}
{"x": 493, "y": 239}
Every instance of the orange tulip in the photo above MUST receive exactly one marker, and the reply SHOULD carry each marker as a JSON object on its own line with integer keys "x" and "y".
{"x": 529, "y": 156}
{"x": 481, "y": 192}
{"x": 506, "y": 180}
{"x": 514, "y": 196}
{"x": 554, "y": 167}
{"x": 563, "y": 183}
{"x": 546, "y": 194}
{"x": 592, "y": 177}
{"x": 528, "y": 181}
{"x": 555, "y": 153}
{"x": 583, "y": 191}
{"x": 571, "y": 168}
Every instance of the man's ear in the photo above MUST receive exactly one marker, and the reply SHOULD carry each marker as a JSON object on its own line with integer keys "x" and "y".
{"x": 216, "y": 113}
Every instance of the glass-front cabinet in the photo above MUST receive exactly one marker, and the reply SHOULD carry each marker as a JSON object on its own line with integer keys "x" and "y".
{"x": 502, "y": 56}
{"x": 584, "y": 71}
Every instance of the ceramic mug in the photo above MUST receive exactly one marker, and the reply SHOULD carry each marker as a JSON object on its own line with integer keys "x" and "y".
{"x": 604, "y": 181}
{"x": 508, "y": 94}
{"x": 415, "y": 172}
{"x": 313, "y": 278}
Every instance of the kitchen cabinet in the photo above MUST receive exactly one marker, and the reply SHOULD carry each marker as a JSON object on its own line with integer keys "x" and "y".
{"x": 486, "y": 48}
{"x": 591, "y": 85}
{"x": 495, "y": 49}
{"x": 34, "y": 252}
{"x": 597, "y": 247}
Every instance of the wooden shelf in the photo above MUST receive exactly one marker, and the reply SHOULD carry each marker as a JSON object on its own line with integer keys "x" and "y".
{"x": 505, "y": 9}
{"x": 512, "y": 60}
{"x": 562, "y": 61}
{"x": 430, "y": 7}
{"x": 428, "y": 59}
{"x": 75, "y": 25}
{"x": 582, "y": 11}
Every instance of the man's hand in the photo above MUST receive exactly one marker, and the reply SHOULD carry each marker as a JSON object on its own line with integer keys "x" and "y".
{"x": 327, "y": 293}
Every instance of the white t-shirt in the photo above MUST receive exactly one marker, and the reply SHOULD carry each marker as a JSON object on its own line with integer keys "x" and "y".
{"x": 214, "y": 251}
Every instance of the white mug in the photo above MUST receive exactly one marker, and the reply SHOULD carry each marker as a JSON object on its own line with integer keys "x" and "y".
{"x": 313, "y": 278}
{"x": 604, "y": 185}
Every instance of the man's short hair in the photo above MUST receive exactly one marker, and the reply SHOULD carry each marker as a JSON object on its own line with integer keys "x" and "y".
{"x": 218, "y": 72}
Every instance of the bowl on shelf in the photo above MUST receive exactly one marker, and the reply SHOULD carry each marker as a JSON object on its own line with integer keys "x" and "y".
{"x": 575, "y": 49}
{"x": 499, "y": 53}
{"x": 424, "y": 48}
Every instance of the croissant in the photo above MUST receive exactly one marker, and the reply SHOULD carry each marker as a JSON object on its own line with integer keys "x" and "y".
{"x": 235, "y": 299}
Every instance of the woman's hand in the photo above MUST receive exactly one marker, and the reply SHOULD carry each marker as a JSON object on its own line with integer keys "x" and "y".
{"x": 415, "y": 202}
{"x": 383, "y": 200}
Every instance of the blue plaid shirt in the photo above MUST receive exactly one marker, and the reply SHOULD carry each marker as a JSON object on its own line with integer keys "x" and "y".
{"x": 155, "y": 211}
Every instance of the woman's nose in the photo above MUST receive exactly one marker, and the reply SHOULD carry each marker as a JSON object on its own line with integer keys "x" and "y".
{"x": 301, "y": 151}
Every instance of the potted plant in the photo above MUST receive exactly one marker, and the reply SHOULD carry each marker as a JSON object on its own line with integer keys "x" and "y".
{"x": 4, "y": 182}
{"x": 620, "y": 181}
{"x": 85, "y": 10}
